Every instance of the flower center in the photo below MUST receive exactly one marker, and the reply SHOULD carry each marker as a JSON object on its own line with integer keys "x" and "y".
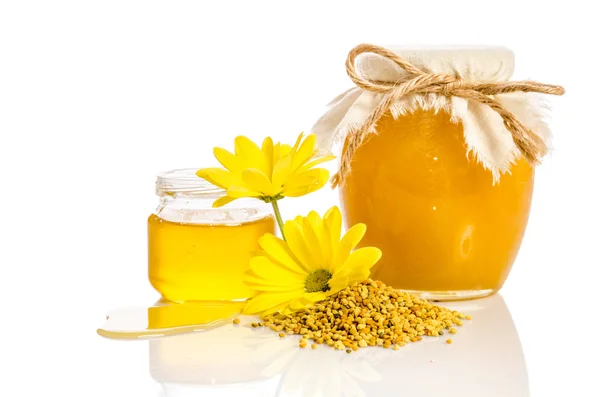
{"x": 317, "y": 281}
{"x": 270, "y": 199}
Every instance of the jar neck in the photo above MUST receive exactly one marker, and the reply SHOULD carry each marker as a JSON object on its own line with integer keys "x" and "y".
{"x": 185, "y": 182}
{"x": 186, "y": 198}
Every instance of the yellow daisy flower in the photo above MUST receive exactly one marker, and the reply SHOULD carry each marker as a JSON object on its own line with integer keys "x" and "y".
{"x": 269, "y": 173}
{"x": 313, "y": 263}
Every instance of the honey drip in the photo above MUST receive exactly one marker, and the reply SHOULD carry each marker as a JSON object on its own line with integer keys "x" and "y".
{"x": 167, "y": 318}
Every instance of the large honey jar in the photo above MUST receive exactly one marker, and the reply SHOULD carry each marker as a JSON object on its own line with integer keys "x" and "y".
{"x": 438, "y": 176}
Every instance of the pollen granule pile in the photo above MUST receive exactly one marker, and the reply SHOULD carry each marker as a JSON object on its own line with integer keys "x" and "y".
{"x": 365, "y": 314}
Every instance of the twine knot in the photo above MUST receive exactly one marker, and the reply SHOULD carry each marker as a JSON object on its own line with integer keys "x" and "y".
{"x": 418, "y": 81}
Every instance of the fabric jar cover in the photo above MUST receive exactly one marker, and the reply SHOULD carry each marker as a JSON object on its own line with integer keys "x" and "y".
{"x": 485, "y": 134}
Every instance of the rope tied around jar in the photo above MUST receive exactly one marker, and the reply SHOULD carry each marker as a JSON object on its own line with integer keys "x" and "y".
{"x": 418, "y": 81}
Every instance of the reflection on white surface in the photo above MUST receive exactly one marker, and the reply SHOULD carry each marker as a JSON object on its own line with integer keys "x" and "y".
{"x": 165, "y": 319}
{"x": 485, "y": 359}
{"x": 322, "y": 372}
{"x": 218, "y": 362}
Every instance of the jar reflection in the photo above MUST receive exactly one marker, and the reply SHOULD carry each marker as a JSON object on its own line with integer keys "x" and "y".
{"x": 218, "y": 362}
{"x": 485, "y": 359}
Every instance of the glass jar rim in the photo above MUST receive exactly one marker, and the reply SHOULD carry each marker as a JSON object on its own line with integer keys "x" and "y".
{"x": 185, "y": 180}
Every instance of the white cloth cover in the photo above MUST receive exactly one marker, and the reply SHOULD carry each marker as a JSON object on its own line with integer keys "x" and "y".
{"x": 485, "y": 134}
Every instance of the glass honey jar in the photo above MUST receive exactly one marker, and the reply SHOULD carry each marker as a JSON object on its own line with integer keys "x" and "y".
{"x": 200, "y": 253}
{"x": 444, "y": 228}
{"x": 437, "y": 159}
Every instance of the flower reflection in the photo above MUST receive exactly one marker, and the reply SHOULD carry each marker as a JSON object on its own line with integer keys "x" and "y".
{"x": 314, "y": 373}
{"x": 485, "y": 359}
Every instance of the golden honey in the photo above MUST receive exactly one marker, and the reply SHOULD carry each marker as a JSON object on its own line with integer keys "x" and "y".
{"x": 188, "y": 261}
{"x": 170, "y": 316}
{"x": 166, "y": 318}
{"x": 444, "y": 227}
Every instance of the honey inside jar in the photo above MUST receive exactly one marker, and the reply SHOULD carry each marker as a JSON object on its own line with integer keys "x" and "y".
{"x": 166, "y": 315}
{"x": 202, "y": 261}
{"x": 445, "y": 229}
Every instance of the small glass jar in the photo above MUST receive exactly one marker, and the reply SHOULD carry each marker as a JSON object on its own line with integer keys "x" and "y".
{"x": 196, "y": 252}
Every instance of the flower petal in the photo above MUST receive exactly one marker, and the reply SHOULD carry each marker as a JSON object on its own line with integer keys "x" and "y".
{"x": 257, "y": 181}
{"x": 267, "y": 149}
{"x": 307, "y": 299}
{"x": 358, "y": 276}
{"x": 332, "y": 230}
{"x": 264, "y": 267}
{"x": 347, "y": 244}
{"x": 360, "y": 260}
{"x": 281, "y": 171}
{"x": 259, "y": 286}
{"x": 279, "y": 251}
{"x": 337, "y": 283}
{"x": 237, "y": 191}
{"x": 280, "y": 150}
{"x": 312, "y": 239}
{"x": 315, "y": 219}
{"x": 268, "y": 300}
{"x": 218, "y": 176}
{"x": 314, "y": 296}
{"x": 273, "y": 284}
{"x": 249, "y": 154}
{"x": 324, "y": 239}
{"x": 284, "y": 150}
{"x": 307, "y": 182}
{"x": 221, "y": 201}
{"x": 294, "y": 236}
{"x": 305, "y": 152}
{"x": 315, "y": 162}
{"x": 282, "y": 308}
{"x": 298, "y": 141}
{"x": 227, "y": 159}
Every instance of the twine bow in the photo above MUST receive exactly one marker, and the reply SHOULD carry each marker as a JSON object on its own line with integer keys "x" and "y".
{"x": 419, "y": 82}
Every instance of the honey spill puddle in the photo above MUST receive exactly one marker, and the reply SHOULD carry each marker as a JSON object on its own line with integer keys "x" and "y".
{"x": 166, "y": 318}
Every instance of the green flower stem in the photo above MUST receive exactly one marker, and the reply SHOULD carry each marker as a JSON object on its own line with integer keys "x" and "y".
{"x": 278, "y": 217}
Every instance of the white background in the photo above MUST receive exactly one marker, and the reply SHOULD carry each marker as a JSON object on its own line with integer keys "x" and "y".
{"x": 96, "y": 97}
